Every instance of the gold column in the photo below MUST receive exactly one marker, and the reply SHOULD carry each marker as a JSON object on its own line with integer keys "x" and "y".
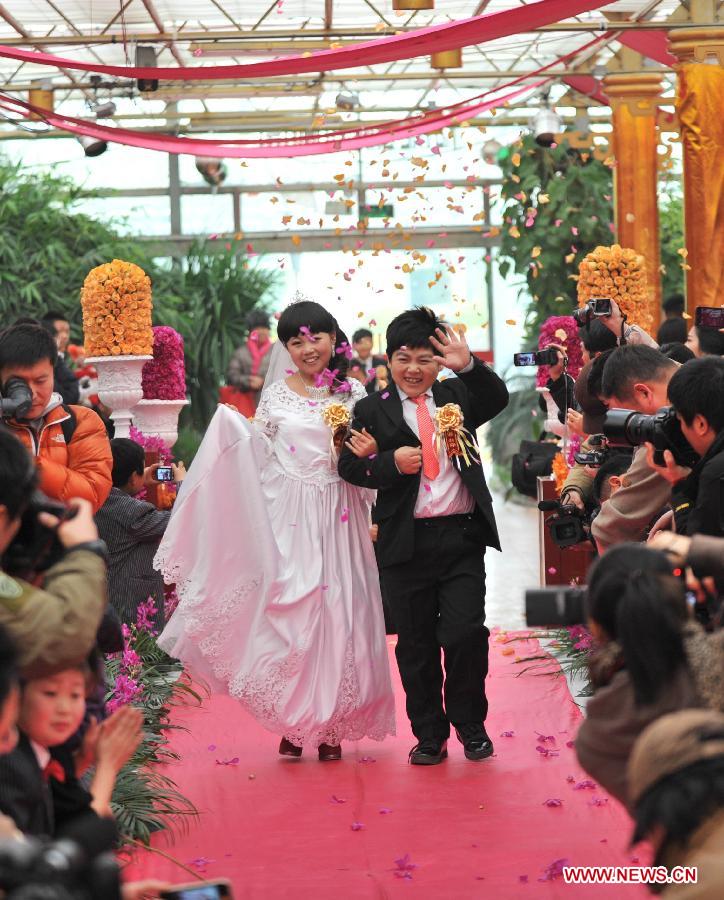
{"x": 700, "y": 106}
{"x": 634, "y": 101}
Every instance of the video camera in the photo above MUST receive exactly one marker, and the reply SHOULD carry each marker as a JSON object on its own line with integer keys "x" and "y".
{"x": 597, "y": 307}
{"x": 61, "y": 870}
{"x": 569, "y": 525}
{"x": 547, "y": 357}
{"x": 36, "y": 548}
{"x": 557, "y": 605}
{"x": 595, "y": 457}
{"x": 16, "y": 398}
{"x": 624, "y": 428}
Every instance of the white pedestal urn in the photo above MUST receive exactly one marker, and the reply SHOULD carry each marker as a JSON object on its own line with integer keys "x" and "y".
{"x": 159, "y": 418}
{"x": 119, "y": 387}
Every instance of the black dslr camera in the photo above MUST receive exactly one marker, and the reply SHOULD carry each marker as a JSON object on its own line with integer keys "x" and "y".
{"x": 61, "y": 870}
{"x": 568, "y": 526}
{"x": 624, "y": 428}
{"x": 36, "y": 548}
{"x": 557, "y": 605}
{"x": 16, "y": 398}
{"x": 597, "y": 307}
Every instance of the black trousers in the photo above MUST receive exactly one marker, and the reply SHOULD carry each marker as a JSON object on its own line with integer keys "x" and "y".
{"x": 437, "y": 600}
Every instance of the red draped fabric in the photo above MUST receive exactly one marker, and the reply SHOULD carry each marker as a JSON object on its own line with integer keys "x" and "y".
{"x": 421, "y": 42}
{"x": 264, "y": 149}
{"x": 653, "y": 44}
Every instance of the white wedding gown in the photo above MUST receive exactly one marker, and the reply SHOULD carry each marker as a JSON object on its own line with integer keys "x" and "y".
{"x": 273, "y": 563}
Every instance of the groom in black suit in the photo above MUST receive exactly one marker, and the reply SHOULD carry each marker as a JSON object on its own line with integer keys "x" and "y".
{"x": 435, "y": 518}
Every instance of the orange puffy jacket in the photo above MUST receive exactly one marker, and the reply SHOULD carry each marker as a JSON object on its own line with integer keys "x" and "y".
{"x": 81, "y": 468}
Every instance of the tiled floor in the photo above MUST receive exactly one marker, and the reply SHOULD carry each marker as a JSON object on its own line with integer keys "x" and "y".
{"x": 509, "y": 573}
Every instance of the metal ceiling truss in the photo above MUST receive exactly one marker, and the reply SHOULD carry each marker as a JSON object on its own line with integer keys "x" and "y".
{"x": 247, "y": 29}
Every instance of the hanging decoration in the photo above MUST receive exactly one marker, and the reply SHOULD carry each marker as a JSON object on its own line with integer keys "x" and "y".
{"x": 421, "y": 42}
{"x": 270, "y": 148}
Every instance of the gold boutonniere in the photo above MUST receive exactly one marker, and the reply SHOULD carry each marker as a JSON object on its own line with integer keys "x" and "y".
{"x": 457, "y": 439}
{"x": 338, "y": 417}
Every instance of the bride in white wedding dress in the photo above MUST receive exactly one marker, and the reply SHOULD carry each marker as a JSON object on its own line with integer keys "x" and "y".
{"x": 270, "y": 552}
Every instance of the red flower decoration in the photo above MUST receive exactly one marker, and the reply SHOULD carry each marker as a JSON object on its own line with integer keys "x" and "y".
{"x": 164, "y": 377}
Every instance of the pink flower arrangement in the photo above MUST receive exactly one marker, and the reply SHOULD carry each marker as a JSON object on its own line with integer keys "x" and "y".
{"x": 145, "y": 616}
{"x": 125, "y": 691}
{"x": 564, "y": 331}
{"x": 164, "y": 377}
{"x": 581, "y": 637}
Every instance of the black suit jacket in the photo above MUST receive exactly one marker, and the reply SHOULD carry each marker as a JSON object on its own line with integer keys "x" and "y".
{"x": 481, "y": 395}
{"x": 24, "y": 795}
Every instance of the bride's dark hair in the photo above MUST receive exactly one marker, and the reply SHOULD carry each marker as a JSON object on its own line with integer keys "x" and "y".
{"x": 308, "y": 314}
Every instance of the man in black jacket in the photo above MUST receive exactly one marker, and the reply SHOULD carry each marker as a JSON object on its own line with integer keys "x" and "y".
{"x": 435, "y": 518}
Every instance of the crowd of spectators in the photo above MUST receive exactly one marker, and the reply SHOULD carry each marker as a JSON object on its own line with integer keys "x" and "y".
{"x": 653, "y": 735}
{"x": 69, "y": 521}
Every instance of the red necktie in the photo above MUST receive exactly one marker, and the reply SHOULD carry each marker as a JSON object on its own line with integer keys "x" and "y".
{"x": 430, "y": 461}
{"x": 54, "y": 769}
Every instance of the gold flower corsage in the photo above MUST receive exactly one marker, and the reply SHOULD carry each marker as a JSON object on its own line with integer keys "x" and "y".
{"x": 457, "y": 439}
{"x": 338, "y": 417}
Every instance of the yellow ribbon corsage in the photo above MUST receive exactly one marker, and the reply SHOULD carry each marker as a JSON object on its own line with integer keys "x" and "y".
{"x": 338, "y": 417}
{"x": 450, "y": 430}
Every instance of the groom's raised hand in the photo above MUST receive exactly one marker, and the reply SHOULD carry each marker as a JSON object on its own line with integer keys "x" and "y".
{"x": 452, "y": 348}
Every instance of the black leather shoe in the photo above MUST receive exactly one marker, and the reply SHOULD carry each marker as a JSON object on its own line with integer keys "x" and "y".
{"x": 287, "y": 748}
{"x": 428, "y": 752}
{"x": 475, "y": 741}
{"x": 329, "y": 752}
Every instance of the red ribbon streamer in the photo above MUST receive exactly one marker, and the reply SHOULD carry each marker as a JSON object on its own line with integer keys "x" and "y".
{"x": 422, "y": 41}
{"x": 265, "y": 149}
{"x": 349, "y": 139}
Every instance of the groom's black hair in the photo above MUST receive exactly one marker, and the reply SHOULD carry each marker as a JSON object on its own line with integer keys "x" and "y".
{"x": 412, "y": 329}
{"x": 311, "y": 315}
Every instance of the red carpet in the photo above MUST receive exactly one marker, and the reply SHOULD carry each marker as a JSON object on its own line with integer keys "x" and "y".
{"x": 288, "y": 829}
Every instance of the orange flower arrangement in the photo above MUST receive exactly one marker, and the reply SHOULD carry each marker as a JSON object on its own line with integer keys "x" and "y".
{"x": 618, "y": 273}
{"x": 116, "y": 301}
{"x": 560, "y": 471}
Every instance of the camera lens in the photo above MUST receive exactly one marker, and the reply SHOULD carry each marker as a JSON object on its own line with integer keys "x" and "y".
{"x": 640, "y": 428}
{"x": 617, "y": 427}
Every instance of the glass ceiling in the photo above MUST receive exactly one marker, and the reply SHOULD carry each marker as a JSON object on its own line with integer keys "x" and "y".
{"x": 210, "y": 32}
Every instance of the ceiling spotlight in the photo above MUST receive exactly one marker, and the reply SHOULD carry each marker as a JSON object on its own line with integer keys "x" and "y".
{"x": 491, "y": 149}
{"x": 213, "y": 171}
{"x": 546, "y": 124}
{"x": 347, "y": 102}
{"x": 92, "y": 146}
{"x": 104, "y": 110}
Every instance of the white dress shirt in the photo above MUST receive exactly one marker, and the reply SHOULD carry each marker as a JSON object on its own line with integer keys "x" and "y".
{"x": 447, "y": 495}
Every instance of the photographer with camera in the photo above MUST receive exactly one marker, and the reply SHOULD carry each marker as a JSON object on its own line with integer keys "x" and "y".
{"x": 634, "y": 378}
{"x": 69, "y": 443}
{"x": 55, "y": 626}
{"x": 133, "y": 529}
{"x": 624, "y": 333}
{"x": 696, "y": 393}
{"x": 651, "y": 658}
